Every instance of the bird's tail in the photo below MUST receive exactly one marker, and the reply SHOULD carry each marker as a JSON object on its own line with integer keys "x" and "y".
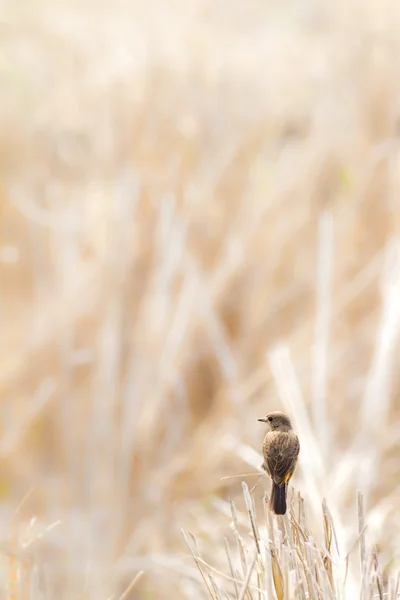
{"x": 277, "y": 502}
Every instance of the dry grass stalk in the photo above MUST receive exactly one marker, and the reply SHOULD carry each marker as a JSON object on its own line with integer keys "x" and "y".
{"x": 298, "y": 566}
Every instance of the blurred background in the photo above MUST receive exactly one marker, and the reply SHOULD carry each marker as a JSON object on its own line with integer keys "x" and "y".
{"x": 199, "y": 221}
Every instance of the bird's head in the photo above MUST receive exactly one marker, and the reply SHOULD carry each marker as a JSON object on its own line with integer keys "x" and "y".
{"x": 277, "y": 421}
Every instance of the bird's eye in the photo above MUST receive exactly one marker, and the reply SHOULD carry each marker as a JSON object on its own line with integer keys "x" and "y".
{"x": 270, "y": 419}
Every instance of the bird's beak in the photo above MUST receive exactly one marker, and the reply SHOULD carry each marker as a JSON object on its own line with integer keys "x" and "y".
{"x": 262, "y": 420}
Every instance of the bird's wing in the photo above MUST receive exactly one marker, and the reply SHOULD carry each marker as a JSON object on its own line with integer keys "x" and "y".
{"x": 282, "y": 455}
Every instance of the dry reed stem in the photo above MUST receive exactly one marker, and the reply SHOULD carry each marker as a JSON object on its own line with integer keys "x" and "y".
{"x": 295, "y": 560}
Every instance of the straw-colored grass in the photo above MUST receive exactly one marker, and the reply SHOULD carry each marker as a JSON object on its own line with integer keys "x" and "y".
{"x": 199, "y": 221}
{"x": 287, "y": 558}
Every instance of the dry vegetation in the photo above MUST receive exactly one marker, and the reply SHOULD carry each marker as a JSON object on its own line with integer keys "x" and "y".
{"x": 285, "y": 561}
{"x": 200, "y": 211}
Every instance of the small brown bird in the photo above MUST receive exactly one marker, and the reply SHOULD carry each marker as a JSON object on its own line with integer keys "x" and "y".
{"x": 281, "y": 449}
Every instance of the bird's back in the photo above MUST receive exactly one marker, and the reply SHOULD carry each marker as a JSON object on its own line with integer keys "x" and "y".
{"x": 280, "y": 449}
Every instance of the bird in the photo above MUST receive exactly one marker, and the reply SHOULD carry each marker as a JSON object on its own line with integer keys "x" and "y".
{"x": 280, "y": 449}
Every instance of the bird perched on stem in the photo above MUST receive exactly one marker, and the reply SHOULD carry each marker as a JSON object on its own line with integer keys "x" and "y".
{"x": 281, "y": 449}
